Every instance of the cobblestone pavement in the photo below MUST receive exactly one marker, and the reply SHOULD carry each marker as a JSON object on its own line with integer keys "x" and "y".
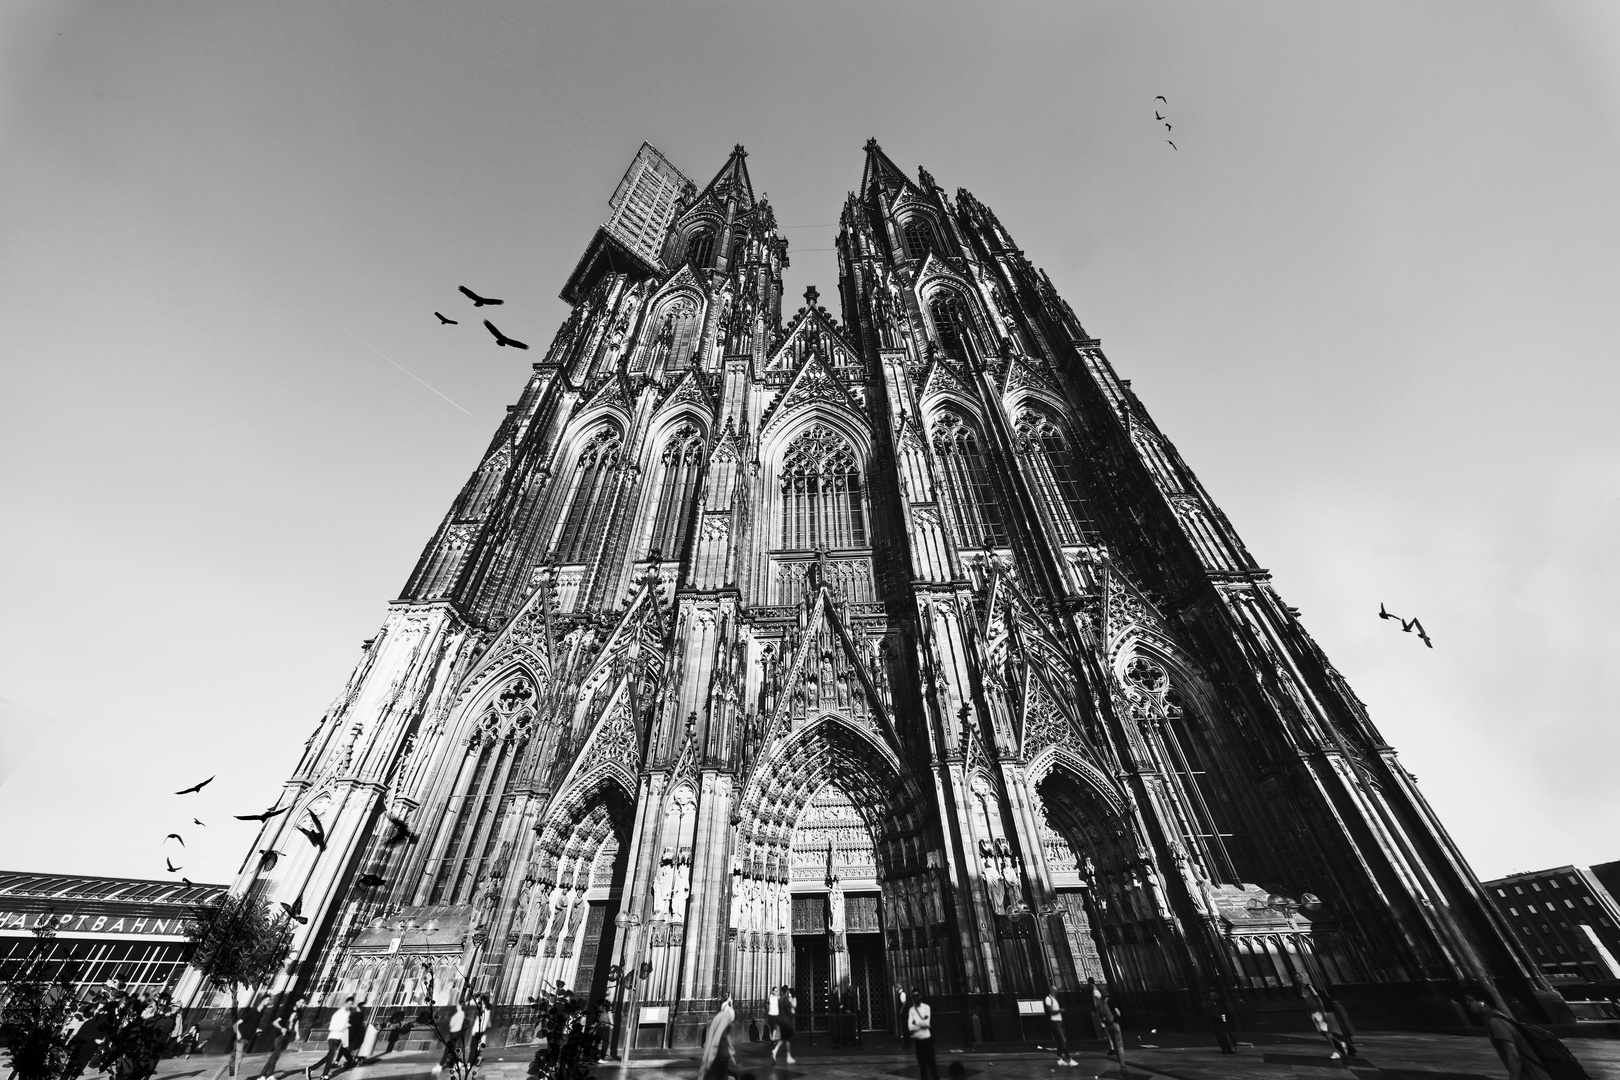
{"x": 1383, "y": 1057}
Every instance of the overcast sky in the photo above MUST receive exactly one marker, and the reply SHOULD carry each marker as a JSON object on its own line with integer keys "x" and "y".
{"x": 1374, "y": 297}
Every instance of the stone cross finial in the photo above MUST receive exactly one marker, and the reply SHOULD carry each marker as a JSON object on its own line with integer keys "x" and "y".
{"x": 811, "y": 296}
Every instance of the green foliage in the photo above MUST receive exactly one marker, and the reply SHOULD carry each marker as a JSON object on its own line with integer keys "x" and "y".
{"x": 566, "y": 1028}
{"x": 139, "y": 1033}
{"x": 239, "y": 943}
{"x": 35, "y": 1011}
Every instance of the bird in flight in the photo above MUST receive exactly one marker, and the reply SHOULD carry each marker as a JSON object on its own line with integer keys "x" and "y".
{"x": 1167, "y": 127}
{"x": 188, "y": 883}
{"x": 452, "y": 322}
{"x": 1173, "y": 146}
{"x": 478, "y": 301}
{"x": 1407, "y": 625}
{"x": 295, "y": 910}
{"x": 1157, "y": 115}
{"x": 369, "y": 881}
{"x": 194, "y": 821}
{"x": 317, "y": 835}
{"x": 267, "y": 858}
{"x": 1160, "y": 97}
{"x": 175, "y": 836}
{"x": 195, "y": 787}
{"x": 266, "y": 816}
{"x": 173, "y": 869}
{"x": 401, "y": 834}
{"x": 502, "y": 339}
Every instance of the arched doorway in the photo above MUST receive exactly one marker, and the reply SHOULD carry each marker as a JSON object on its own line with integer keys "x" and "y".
{"x": 834, "y": 886}
{"x": 837, "y": 928}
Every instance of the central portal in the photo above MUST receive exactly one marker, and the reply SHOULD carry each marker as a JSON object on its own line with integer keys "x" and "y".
{"x": 840, "y": 971}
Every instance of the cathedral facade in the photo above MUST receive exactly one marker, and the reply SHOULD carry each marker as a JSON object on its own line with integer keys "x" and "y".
{"x": 891, "y": 649}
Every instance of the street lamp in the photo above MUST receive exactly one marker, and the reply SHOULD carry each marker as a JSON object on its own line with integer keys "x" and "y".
{"x": 627, "y": 973}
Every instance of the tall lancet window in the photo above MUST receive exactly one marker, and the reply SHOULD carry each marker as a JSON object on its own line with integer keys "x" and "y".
{"x": 979, "y": 521}
{"x": 821, "y": 492}
{"x": 700, "y": 250}
{"x": 919, "y": 238}
{"x": 952, "y": 325}
{"x": 677, "y": 492}
{"x": 1054, "y": 475}
{"x": 588, "y": 508}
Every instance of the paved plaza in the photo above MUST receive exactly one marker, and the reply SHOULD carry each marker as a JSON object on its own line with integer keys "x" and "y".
{"x": 1383, "y": 1057}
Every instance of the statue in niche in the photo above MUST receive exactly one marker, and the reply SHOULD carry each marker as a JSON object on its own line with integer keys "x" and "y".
{"x": 664, "y": 887}
{"x": 835, "y": 907}
{"x": 737, "y": 899}
{"x": 681, "y": 891}
{"x": 784, "y": 909}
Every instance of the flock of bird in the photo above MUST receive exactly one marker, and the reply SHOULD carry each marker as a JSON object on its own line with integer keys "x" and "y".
{"x": 1157, "y": 115}
{"x": 314, "y": 832}
{"x": 478, "y": 302}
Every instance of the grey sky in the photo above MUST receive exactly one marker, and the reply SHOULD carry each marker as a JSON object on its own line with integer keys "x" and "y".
{"x": 1373, "y": 297}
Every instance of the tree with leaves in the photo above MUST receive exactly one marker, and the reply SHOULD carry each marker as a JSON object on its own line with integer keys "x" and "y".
{"x": 36, "y": 1010}
{"x": 239, "y": 946}
{"x": 567, "y": 1053}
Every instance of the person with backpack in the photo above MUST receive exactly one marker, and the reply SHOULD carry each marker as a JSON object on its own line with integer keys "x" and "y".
{"x": 1054, "y": 1013}
{"x": 1528, "y": 1052}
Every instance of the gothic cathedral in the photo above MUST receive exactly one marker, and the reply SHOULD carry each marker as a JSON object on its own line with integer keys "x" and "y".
{"x": 892, "y": 649}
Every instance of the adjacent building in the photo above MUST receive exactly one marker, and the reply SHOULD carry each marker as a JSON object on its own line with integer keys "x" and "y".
{"x": 890, "y": 646}
{"x": 124, "y": 929}
{"x": 1567, "y": 919}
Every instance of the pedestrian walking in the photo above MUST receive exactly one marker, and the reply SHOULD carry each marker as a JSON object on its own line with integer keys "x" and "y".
{"x": 243, "y": 1029}
{"x": 191, "y": 1040}
{"x": 1529, "y": 1053}
{"x": 281, "y": 1029}
{"x": 786, "y": 1008}
{"x": 719, "y": 1056}
{"x": 920, "y": 1023}
{"x": 1054, "y": 1013}
{"x": 772, "y": 1017}
{"x": 1108, "y": 1022}
{"x": 358, "y": 1022}
{"x": 1221, "y": 1023}
{"x": 1340, "y": 1032}
{"x": 337, "y": 1037}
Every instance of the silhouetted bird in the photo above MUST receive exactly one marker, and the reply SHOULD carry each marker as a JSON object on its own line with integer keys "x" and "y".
{"x": 317, "y": 835}
{"x": 194, "y": 821}
{"x": 1173, "y": 146}
{"x": 176, "y": 836}
{"x": 266, "y": 816}
{"x": 195, "y": 787}
{"x": 502, "y": 339}
{"x": 402, "y": 832}
{"x": 188, "y": 883}
{"x": 1160, "y": 97}
{"x": 295, "y": 910}
{"x": 478, "y": 301}
{"x": 1167, "y": 127}
{"x": 1407, "y": 626}
{"x": 443, "y": 320}
{"x": 369, "y": 881}
{"x": 173, "y": 869}
{"x": 267, "y": 858}
{"x": 1382, "y": 614}
{"x": 1157, "y": 116}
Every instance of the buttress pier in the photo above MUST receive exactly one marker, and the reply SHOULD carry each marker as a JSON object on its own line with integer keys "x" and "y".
{"x": 892, "y": 649}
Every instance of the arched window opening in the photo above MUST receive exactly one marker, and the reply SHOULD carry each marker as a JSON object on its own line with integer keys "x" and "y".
{"x": 588, "y": 509}
{"x": 952, "y": 325}
{"x": 1055, "y": 476}
{"x": 821, "y": 493}
{"x": 700, "y": 250}
{"x": 736, "y": 259}
{"x": 682, "y": 464}
{"x": 919, "y": 238}
{"x": 979, "y": 521}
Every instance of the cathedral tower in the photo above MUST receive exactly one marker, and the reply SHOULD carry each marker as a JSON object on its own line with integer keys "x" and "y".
{"x": 896, "y": 648}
